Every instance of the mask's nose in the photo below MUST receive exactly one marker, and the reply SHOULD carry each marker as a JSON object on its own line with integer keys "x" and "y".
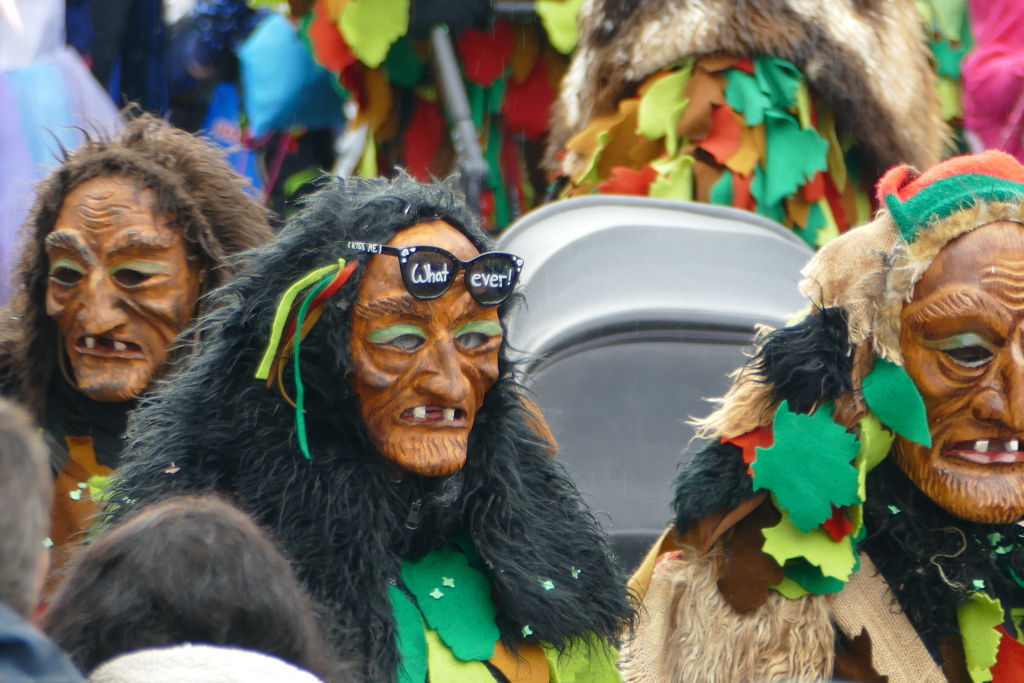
{"x": 102, "y": 306}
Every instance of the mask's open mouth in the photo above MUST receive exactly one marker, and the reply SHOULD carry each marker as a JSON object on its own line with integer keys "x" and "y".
{"x": 987, "y": 451}
{"x": 434, "y": 415}
{"x": 108, "y": 346}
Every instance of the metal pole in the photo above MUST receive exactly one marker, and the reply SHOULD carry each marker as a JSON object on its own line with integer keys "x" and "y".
{"x": 470, "y": 159}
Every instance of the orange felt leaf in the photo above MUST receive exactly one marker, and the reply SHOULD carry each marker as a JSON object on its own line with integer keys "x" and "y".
{"x": 705, "y": 175}
{"x": 530, "y": 665}
{"x": 625, "y": 180}
{"x": 375, "y": 106}
{"x": 716, "y": 63}
{"x": 704, "y": 91}
{"x": 761, "y": 437}
{"x": 486, "y": 54}
{"x": 838, "y": 526}
{"x": 526, "y": 52}
{"x": 749, "y": 152}
{"x": 621, "y": 128}
{"x": 741, "y": 197}
{"x": 329, "y": 49}
{"x": 334, "y": 8}
{"x": 815, "y": 189}
{"x": 1009, "y": 666}
{"x": 724, "y": 138}
{"x": 556, "y": 64}
{"x": 797, "y": 209}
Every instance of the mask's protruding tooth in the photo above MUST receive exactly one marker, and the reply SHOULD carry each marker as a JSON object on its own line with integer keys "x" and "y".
{"x": 981, "y": 445}
{"x": 120, "y": 346}
{"x": 420, "y": 412}
{"x": 449, "y": 414}
{"x": 1013, "y": 445}
{"x": 90, "y": 342}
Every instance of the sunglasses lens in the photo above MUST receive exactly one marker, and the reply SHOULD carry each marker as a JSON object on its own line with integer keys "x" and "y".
{"x": 491, "y": 278}
{"x": 428, "y": 274}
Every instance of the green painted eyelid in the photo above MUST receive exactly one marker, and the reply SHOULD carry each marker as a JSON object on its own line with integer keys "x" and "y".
{"x": 387, "y": 335}
{"x": 489, "y": 328}
{"x": 958, "y": 341}
{"x": 66, "y": 263}
{"x": 144, "y": 267}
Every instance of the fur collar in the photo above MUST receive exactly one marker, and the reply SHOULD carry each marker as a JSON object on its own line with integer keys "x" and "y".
{"x": 866, "y": 58}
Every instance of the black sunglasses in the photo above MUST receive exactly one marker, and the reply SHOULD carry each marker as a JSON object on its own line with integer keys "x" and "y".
{"x": 428, "y": 272}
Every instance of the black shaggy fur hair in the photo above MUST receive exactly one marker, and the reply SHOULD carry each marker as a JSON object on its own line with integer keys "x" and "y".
{"x": 931, "y": 558}
{"x": 342, "y": 515}
{"x": 715, "y": 477}
{"x": 809, "y": 362}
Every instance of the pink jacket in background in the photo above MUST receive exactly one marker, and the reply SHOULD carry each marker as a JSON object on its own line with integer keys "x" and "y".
{"x": 993, "y": 75}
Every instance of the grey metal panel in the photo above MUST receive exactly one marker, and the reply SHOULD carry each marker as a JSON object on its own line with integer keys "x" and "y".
{"x": 636, "y": 310}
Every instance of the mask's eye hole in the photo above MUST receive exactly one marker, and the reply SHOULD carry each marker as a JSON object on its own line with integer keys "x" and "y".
{"x": 128, "y": 277}
{"x": 970, "y": 356}
{"x": 475, "y": 334}
{"x": 66, "y": 276}
{"x": 407, "y": 342}
{"x": 472, "y": 340}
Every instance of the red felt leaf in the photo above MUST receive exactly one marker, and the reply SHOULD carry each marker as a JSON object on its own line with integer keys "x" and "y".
{"x": 422, "y": 138}
{"x": 487, "y": 209}
{"x": 741, "y": 197}
{"x": 1009, "y": 666}
{"x": 329, "y": 48}
{"x": 838, "y": 525}
{"x": 762, "y": 437}
{"x": 815, "y": 189}
{"x": 835, "y": 202}
{"x": 625, "y": 180}
{"x": 527, "y": 105}
{"x": 746, "y": 65}
{"x": 724, "y": 138}
{"x": 486, "y": 54}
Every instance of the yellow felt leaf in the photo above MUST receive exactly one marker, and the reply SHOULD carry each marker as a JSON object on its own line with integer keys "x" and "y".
{"x": 675, "y": 179}
{"x": 747, "y": 155}
{"x": 785, "y": 542}
{"x": 791, "y": 589}
{"x": 367, "y": 167}
{"x": 834, "y": 156}
{"x": 589, "y": 172}
{"x": 803, "y": 105}
{"x": 856, "y": 519}
{"x": 978, "y": 617}
{"x": 443, "y": 665}
{"x": 371, "y": 26}
{"x": 863, "y": 202}
{"x": 559, "y": 18}
{"x": 660, "y": 109}
{"x": 526, "y": 51}
{"x": 830, "y": 230}
{"x": 949, "y": 95}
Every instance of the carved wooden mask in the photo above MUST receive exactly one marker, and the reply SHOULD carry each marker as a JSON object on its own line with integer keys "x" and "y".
{"x": 963, "y": 342}
{"x": 422, "y": 367}
{"x": 121, "y": 286}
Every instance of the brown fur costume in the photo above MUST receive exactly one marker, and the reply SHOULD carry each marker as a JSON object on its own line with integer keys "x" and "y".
{"x": 866, "y": 58}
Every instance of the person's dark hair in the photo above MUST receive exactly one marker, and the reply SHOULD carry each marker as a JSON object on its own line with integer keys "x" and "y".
{"x": 192, "y": 183}
{"x": 25, "y": 492}
{"x": 189, "y": 569}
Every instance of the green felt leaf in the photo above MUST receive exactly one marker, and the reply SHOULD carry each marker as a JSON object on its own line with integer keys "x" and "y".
{"x": 477, "y": 103}
{"x": 463, "y": 615}
{"x": 590, "y": 660}
{"x": 721, "y": 191}
{"x": 875, "y": 442}
{"x": 892, "y": 396}
{"x": 775, "y": 211}
{"x": 778, "y": 79}
{"x": 947, "y": 58}
{"x": 496, "y": 95}
{"x": 978, "y": 617}
{"x": 785, "y": 542}
{"x": 815, "y": 221}
{"x": 559, "y": 18}
{"x": 371, "y": 26}
{"x": 811, "y": 579}
{"x": 445, "y": 667}
{"x": 661, "y": 106}
{"x": 412, "y": 645}
{"x": 792, "y": 155}
{"x": 744, "y": 95}
{"x": 295, "y": 181}
{"x": 808, "y": 467}
{"x": 949, "y": 17}
{"x": 403, "y": 64}
{"x": 675, "y": 180}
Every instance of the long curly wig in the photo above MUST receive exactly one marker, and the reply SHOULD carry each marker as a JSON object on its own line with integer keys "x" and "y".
{"x": 191, "y": 182}
{"x": 342, "y": 515}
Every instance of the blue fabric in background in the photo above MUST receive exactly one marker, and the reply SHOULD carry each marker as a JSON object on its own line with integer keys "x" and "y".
{"x": 223, "y": 128}
{"x": 282, "y": 87}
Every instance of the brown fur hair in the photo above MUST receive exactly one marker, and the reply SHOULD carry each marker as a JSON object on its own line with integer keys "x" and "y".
{"x": 867, "y": 59}
{"x": 191, "y": 182}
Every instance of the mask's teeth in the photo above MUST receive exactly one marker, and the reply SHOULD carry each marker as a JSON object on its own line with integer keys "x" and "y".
{"x": 981, "y": 445}
{"x": 90, "y": 342}
{"x": 120, "y": 346}
{"x": 1013, "y": 445}
{"x": 449, "y": 414}
{"x": 419, "y": 412}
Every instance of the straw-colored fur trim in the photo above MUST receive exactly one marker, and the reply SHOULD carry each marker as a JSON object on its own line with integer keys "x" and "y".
{"x": 704, "y": 640}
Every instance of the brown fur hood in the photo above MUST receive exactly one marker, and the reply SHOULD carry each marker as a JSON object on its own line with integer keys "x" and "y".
{"x": 867, "y": 59}
{"x": 191, "y": 181}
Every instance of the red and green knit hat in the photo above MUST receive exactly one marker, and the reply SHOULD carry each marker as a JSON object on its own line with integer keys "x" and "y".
{"x": 916, "y": 200}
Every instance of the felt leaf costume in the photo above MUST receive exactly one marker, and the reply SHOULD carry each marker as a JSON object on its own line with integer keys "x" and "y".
{"x": 496, "y": 569}
{"x": 380, "y": 54}
{"x": 732, "y": 114}
{"x": 811, "y": 484}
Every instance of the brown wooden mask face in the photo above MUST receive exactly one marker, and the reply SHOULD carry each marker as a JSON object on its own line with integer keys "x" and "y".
{"x": 121, "y": 286}
{"x": 963, "y": 342}
{"x": 422, "y": 367}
